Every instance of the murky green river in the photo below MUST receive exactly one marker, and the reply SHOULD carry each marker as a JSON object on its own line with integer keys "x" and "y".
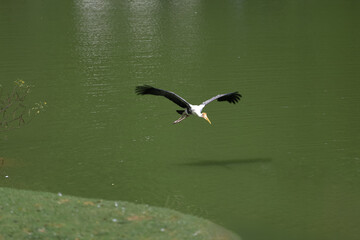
{"x": 284, "y": 163}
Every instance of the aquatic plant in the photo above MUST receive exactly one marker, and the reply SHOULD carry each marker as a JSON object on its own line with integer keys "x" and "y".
{"x": 14, "y": 112}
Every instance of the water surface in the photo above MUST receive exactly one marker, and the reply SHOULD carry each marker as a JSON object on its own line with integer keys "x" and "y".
{"x": 284, "y": 163}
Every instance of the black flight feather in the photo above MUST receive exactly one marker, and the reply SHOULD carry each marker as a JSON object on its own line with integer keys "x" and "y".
{"x": 146, "y": 89}
{"x": 230, "y": 97}
{"x": 233, "y": 97}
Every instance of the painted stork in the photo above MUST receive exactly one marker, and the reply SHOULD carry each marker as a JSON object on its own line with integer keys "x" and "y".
{"x": 190, "y": 109}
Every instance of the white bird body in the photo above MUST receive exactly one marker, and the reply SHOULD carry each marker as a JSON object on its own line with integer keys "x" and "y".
{"x": 197, "y": 109}
{"x": 190, "y": 109}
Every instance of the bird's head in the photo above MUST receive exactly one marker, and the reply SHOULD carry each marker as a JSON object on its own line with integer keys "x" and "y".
{"x": 204, "y": 116}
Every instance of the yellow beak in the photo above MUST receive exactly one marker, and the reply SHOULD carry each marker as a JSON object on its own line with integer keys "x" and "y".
{"x": 207, "y": 119}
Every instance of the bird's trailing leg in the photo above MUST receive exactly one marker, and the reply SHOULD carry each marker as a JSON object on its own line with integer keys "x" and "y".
{"x": 182, "y": 117}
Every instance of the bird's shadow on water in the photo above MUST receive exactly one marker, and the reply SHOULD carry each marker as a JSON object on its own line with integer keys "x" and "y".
{"x": 224, "y": 163}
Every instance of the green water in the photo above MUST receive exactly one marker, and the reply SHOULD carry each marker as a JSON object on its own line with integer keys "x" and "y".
{"x": 284, "y": 163}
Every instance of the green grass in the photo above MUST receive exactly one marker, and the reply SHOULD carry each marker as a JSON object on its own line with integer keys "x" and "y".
{"x": 38, "y": 215}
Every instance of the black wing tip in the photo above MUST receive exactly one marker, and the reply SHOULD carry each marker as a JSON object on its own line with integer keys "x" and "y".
{"x": 236, "y": 97}
{"x": 141, "y": 90}
{"x": 233, "y": 97}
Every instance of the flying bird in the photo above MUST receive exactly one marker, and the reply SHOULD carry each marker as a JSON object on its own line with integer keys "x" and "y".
{"x": 190, "y": 109}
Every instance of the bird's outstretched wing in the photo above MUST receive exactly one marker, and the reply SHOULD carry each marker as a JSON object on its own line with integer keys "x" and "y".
{"x": 146, "y": 89}
{"x": 233, "y": 97}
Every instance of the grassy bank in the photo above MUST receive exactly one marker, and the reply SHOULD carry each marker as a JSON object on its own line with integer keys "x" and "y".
{"x": 37, "y": 215}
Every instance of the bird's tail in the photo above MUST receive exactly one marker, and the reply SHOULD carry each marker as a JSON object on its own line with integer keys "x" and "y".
{"x": 180, "y": 111}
